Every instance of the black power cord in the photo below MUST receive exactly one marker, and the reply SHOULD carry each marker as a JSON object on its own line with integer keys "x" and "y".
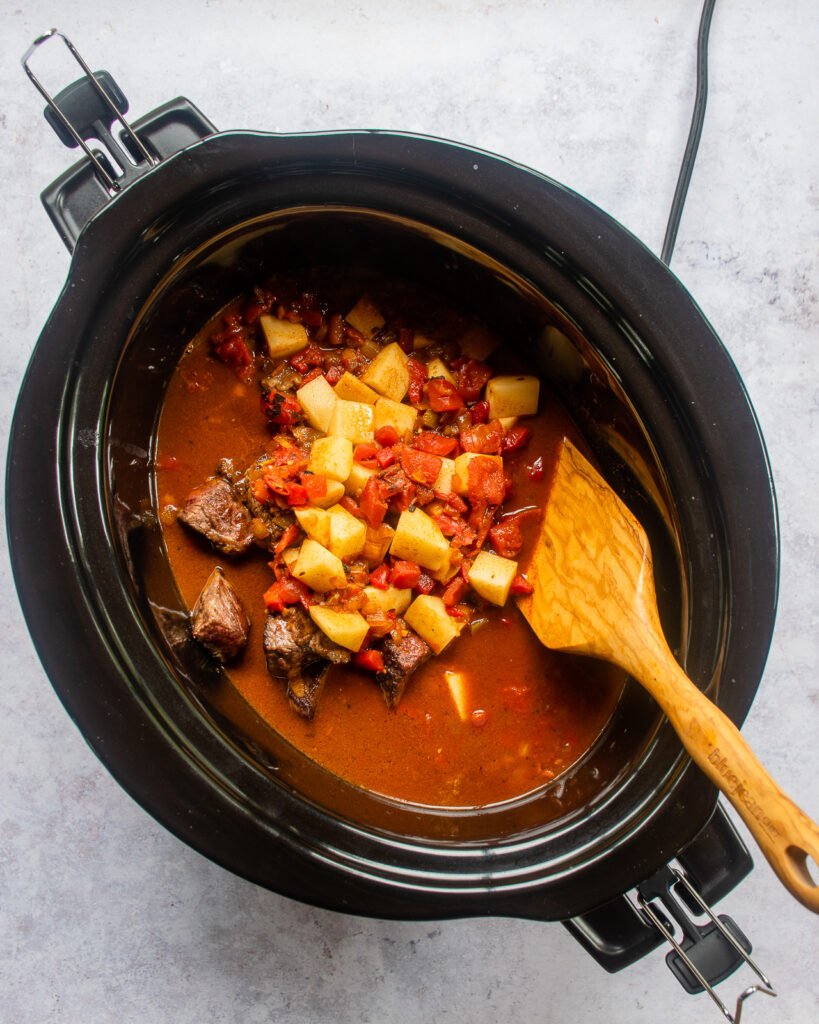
{"x": 694, "y": 133}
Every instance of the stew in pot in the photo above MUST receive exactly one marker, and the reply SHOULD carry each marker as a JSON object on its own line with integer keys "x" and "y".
{"x": 348, "y": 476}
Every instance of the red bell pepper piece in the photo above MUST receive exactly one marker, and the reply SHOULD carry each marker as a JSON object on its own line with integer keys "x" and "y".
{"x": 405, "y": 574}
{"x": 380, "y": 577}
{"x": 371, "y": 661}
{"x": 284, "y": 592}
{"x": 296, "y": 494}
{"x": 471, "y": 377}
{"x": 315, "y": 485}
{"x": 373, "y": 503}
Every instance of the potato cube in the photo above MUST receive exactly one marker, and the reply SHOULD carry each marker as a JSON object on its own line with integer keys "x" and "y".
{"x": 319, "y": 568}
{"x": 335, "y": 491}
{"x": 507, "y": 422}
{"x": 428, "y": 616}
{"x": 347, "y": 534}
{"x": 353, "y": 420}
{"x": 418, "y": 539}
{"x": 377, "y": 544}
{"x": 420, "y": 341}
{"x": 332, "y": 457}
{"x": 365, "y": 316}
{"x": 392, "y": 599}
{"x": 460, "y": 474}
{"x": 283, "y": 337}
{"x": 512, "y": 396}
{"x": 443, "y": 482}
{"x": 459, "y": 692}
{"x": 491, "y": 576}
{"x": 478, "y": 343}
{"x": 347, "y": 629}
{"x": 438, "y": 368}
{"x": 388, "y": 372}
{"x": 395, "y": 414}
{"x": 318, "y": 400}
{"x": 357, "y": 480}
{"x": 289, "y": 555}
{"x": 351, "y": 389}
{"x": 315, "y": 522}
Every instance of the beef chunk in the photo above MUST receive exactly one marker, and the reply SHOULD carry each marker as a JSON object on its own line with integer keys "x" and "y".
{"x": 403, "y": 652}
{"x": 218, "y": 620}
{"x": 299, "y": 653}
{"x": 213, "y": 510}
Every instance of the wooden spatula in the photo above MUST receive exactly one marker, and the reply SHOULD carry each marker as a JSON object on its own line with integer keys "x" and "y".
{"x": 594, "y": 594}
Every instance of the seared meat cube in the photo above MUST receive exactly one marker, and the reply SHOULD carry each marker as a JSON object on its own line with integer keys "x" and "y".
{"x": 218, "y": 620}
{"x": 213, "y": 510}
{"x": 300, "y": 654}
{"x": 403, "y": 652}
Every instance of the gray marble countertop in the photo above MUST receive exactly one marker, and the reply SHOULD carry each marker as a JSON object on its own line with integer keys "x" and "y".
{"x": 105, "y": 916}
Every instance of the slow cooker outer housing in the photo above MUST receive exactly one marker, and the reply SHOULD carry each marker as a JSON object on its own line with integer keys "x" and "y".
{"x": 113, "y": 680}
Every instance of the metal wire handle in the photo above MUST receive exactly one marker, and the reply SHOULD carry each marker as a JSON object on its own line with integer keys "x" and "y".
{"x": 110, "y": 182}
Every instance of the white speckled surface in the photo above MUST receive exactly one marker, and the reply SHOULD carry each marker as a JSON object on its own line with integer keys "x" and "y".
{"x": 104, "y": 916}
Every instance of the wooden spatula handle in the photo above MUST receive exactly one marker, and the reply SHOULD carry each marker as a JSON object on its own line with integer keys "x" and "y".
{"x": 785, "y": 834}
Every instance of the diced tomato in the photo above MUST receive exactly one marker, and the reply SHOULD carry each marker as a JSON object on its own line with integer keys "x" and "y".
{"x": 310, "y": 356}
{"x": 385, "y": 457}
{"x": 290, "y": 536}
{"x": 315, "y": 372}
{"x": 485, "y": 481}
{"x": 334, "y": 373}
{"x": 521, "y": 586}
{"x": 421, "y": 466}
{"x": 373, "y": 502}
{"x": 417, "y": 379}
{"x": 284, "y": 592}
{"x": 380, "y": 577}
{"x": 261, "y": 492}
{"x": 506, "y": 537}
{"x": 455, "y": 591}
{"x": 351, "y": 506}
{"x": 457, "y": 611}
{"x": 387, "y": 436}
{"x": 472, "y": 377}
{"x": 435, "y": 444}
{"x": 231, "y": 344}
{"x": 405, "y": 574}
{"x": 425, "y": 584}
{"x": 296, "y": 494}
{"x": 515, "y": 439}
{"x": 443, "y": 395}
{"x": 315, "y": 485}
{"x": 479, "y": 412}
{"x": 485, "y": 439}
{"x": 480, "y": 519}
{"x": 371, "y": 661}
{"x": 365, "y": 454}
{"x": 283, "y": 410}
{"x": 455, "y": 527}
{"x": 453, "y": 500}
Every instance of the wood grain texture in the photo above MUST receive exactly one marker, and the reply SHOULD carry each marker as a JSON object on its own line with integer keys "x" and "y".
{"x": 594, "y": 595}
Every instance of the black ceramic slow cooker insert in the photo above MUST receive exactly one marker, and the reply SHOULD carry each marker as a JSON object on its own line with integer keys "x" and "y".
{"x": 153, "y": 256}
